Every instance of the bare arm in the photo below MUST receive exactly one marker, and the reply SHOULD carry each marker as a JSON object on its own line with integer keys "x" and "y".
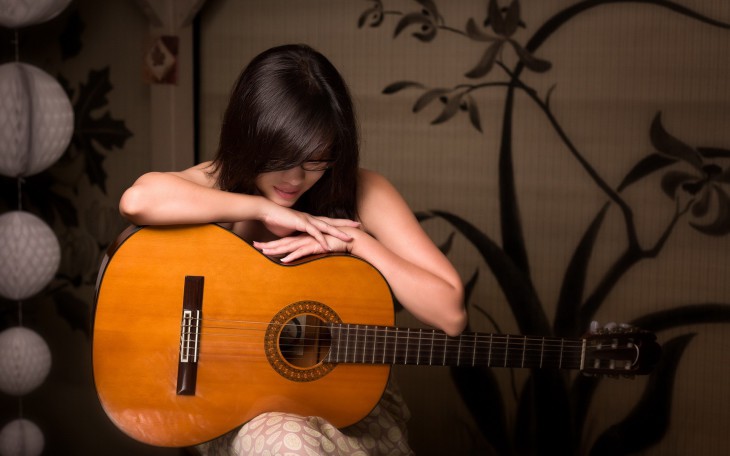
{"x": 184, "y": 197}
{"x": 421, "y": 277}
{"x": 191, "y": 196}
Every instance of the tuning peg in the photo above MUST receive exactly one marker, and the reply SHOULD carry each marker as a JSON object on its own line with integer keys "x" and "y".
{"x": 607, "y": 328}
{"x": 593, "y": 329}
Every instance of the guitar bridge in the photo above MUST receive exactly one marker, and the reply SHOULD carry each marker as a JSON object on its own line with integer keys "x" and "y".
{"x": 187, "y": 367}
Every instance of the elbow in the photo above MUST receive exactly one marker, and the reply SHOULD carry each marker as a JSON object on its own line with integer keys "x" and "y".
{"x": 455, "y": 321}
{"x": 135, "y": 201}
{"x": 130, "y": 205}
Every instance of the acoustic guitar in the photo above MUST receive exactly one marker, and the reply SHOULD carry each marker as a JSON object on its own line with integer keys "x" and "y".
{"x": 196, "y": 332}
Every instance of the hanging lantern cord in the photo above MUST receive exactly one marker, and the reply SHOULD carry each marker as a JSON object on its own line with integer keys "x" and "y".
{"x": 20, "y": 193}
{"x": 16, "y": 45}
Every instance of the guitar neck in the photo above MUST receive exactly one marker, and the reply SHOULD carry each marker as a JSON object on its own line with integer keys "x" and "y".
{"x": 390, "y": 345}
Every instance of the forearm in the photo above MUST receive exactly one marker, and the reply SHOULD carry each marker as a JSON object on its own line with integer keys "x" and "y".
{"x": 436, "y": 300}
{"x": 166, "y": 199}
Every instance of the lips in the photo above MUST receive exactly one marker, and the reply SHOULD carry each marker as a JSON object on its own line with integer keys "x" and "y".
{"x": 287, "y": 194}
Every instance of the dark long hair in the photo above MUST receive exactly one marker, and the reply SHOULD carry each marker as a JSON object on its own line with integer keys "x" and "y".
{"x": 290, "y": 105}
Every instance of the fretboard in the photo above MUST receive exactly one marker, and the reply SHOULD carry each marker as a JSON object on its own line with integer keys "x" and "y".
{"x": 390, "y": 345}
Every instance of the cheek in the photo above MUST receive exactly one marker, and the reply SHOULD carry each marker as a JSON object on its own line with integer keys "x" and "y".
{"x": 264, "y": 180}
{"x": 259, "y": 183}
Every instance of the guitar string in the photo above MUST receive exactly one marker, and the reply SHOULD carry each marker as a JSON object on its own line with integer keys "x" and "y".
{"x": 467, "y": 343}
{"x": 357, "y": 327}
{"x": 403, "y": 343}
{"x": 525, "y": 349}
{"x": 530, "y": 353}
{"x": 391, "y": 356}
{"x": 400, "y": 335}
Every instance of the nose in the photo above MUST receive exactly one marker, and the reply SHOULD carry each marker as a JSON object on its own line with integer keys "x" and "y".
{"x": 294, "y": 175}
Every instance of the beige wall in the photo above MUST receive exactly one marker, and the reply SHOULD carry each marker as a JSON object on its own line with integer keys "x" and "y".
{"x": 613, "y": 69}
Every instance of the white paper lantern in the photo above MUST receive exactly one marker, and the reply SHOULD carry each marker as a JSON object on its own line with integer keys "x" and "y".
{"x": 21, "y": 438}
{"x": 36, "y": 120}
{"x": 29, "y": 255}
{"x": 25, "y": 360}
{"x": 21, "y": 13}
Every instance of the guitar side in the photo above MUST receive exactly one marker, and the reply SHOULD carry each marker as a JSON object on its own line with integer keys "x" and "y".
{"x": 137, "y": 334}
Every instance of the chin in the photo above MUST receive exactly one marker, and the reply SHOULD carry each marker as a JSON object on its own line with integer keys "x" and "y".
{"x": 285, "y": 203}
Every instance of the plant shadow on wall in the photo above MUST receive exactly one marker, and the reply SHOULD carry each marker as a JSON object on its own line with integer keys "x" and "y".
{"x": 55, "y": 195}
{"x": 552, "y": 406}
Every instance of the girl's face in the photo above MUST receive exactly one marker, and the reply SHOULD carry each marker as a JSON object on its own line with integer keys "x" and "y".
{"x": 287, "y": 186}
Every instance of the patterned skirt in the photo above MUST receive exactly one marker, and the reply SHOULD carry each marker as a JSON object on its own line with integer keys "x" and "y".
{"x": 382, "y": 432}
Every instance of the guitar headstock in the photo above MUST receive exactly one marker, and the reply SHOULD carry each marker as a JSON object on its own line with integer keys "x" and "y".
{"x": 620, "y": 350}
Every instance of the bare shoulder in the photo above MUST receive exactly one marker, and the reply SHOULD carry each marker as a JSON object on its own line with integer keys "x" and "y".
{"x": 379, "y": 200}
{"x": 202, "y": 174}
{"x": 373, "y": 184}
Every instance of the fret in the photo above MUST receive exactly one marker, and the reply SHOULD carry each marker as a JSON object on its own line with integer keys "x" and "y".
{"x": 474, "y": 350}
{"x": 401, "y": 346}
{"x": 347, "y": 342}
{"x": 339, "y": 342}
{"x": 385, "y": 342}
{"x": 354, "y": 348}
{"x": 418, "y": 357}
{"x": 562, "y": 343}
{"x": 375, "y": 342}
{"x": 446, "y": 346}
{"x": 542, "y": 351}
{"x": 483, "y": 349}
{"x": 408, "y": 340}
{"x": 430, "y": 355}
{"x": 506, "y": 351}
{"x": 362, "y": 346}
{"x": 524, "y": 347}
{"x": 395, "y": 345}
{"x": 458, "y": 353}
{"x": 452, "y": 348}
{"x": 489, "y": 357}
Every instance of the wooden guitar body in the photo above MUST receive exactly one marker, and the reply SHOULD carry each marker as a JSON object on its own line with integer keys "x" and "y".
{"x": 240, "y": 370}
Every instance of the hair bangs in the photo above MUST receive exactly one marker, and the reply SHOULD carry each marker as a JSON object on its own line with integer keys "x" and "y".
{"x": 298, "y": 135}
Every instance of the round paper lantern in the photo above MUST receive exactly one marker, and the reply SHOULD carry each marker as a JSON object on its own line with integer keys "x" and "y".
{"x": 36, "y": 120}
{"x": 21, "y": 438}
{"x": 21, "y": 13}
{"x": 29, "y": 255}
{"x": 25, "y": 360}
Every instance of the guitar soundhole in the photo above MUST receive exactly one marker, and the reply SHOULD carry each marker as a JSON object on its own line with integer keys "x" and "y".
{"x": 298, "y": 341}
{"x": 304, "y": 341}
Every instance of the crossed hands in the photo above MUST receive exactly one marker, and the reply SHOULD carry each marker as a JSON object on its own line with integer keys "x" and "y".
{"x": 302, "y": 234}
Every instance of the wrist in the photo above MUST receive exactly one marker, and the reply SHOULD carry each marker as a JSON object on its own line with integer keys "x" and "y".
{"x": 358, "y": 237}
{"x": 261, "y": 208}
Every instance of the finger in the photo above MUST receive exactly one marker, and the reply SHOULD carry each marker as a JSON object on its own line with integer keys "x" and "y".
{"x": 340, "y": 222}
{"x": 282, "y": 246}
{"x": 299, "y": 253}
{"x": 277, "y": 242}
{"x": 333, "y": 231}
{"x": 318, "y": 236}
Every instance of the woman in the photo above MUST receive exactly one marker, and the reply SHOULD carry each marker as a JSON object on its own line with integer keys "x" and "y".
{"x": 287, "y": 177}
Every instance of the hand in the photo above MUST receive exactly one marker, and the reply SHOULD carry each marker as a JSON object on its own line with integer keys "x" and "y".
{"x": 295, "y": 247}
{"x": 283, "y": 221}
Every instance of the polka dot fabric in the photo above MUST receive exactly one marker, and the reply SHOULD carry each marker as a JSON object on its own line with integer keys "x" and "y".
{"x": 383, "y": 432}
